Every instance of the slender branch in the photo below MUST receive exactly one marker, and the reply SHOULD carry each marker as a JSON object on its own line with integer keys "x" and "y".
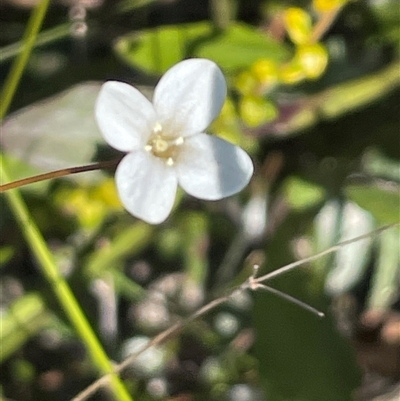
{"x": 159, "y": 339}
{"x": 59, "y": 173}
{"x": 291, "y": 299}
{"x": 334, "y": 248}
{"x": 252, "y": 284}
{"x": 323, "y": 24}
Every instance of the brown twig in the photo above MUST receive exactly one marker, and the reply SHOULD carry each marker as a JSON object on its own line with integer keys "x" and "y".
{"x": 59, "y": 173}
{"x": 323, "y": 24}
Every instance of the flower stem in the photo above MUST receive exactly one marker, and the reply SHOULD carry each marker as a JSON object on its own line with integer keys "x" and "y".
{"x": 62, "y": 290}
{"x": 57, "y": 174}
{"x": 324, "y": 23}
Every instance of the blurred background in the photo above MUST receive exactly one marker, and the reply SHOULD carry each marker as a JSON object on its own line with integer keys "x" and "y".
{"x": 314, "y": 98}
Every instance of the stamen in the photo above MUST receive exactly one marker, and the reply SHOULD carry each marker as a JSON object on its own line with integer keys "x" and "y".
{"x": 157, "y": 128}
{"x": 179, "y": 141}
{"x": 164, "y": 146}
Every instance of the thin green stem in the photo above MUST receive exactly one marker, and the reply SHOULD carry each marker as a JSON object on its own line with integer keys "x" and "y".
{"x": 223, "y": 12}
{"x": 28, "y": 42}
{"x": 45, "y": 37}
{"x": 32, "y": 233}
{"x": 61, "y": 289}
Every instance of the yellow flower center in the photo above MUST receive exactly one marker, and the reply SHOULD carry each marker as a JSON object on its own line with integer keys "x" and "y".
{"x": 164, "y": 146}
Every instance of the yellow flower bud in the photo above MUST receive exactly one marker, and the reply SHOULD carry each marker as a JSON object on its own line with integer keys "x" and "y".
{"x": 79, "y": 203}
{"x": 313, "y": 59}
{"x": 107, "y": 192}
{"x": 228, "y": 109}
{"x": 255, "y": 111}
{"x": 291, "y": 73}
{"x": 246, "y": 83}
{"x": 298, "y": 24}
{"x": 266, "y": 72}
{"x": 226, "y": 125}
{"x": 323, "y": 6}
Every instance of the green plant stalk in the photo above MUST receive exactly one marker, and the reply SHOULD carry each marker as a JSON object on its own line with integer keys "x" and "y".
{"x": 223, "y": 12}
{"x": 28, "y": 42}
{"x": 62, "y": 289}
{"x": 32, "y": 233}
{"x": 43, "y": 38}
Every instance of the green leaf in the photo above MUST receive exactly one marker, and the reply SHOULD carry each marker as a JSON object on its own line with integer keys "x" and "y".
{"x": 303, "y": 112}
{"x": 387, "y": 15}
{"x": 354, "y": 94}
{"x": 6, "y": 253}
{"x": 381, "y": 200}
{"x": 240, "y": 46}
{"x": 56, "y": 133}
{"x": 377, "y": 164}
{"x": 156, "y": 50}
{"x": 301, "y": 194}
{"x": 301, "y": 357}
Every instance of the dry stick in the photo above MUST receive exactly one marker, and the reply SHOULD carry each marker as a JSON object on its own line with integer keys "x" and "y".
{"x": 252, "y": 283}
{"x": 318, "y": 255}
{"x": 287, "y": 297}
{"x": 157, "y": 340}
{"x": 59, "y": 173}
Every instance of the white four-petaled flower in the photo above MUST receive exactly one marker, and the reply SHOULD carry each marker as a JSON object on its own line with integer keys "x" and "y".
{"x": 165, "y": 142}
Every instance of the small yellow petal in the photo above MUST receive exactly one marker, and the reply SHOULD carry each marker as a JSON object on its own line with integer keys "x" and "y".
{"x": 266, "y": 72}
{"x": 327, "y": 5}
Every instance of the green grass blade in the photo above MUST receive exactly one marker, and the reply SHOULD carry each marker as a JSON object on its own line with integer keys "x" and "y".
{"x": 32, "y": 233}
{"x": 61, "y": 288}
{"x": 28, "y": 42}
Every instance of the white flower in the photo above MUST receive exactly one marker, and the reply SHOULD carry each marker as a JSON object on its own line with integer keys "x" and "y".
{"x": 165, "y": 141}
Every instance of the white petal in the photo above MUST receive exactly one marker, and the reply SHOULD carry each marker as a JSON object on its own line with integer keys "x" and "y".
{"x": 125, "y": 117}
{"x": 211, "y": 168}
{"x": 146, "y": 186}
{"x": 189, "y": 96}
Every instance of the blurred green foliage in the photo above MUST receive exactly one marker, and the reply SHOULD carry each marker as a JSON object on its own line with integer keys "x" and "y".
{"x": 158, "y": 49}
{"x": 313, "y": 97}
